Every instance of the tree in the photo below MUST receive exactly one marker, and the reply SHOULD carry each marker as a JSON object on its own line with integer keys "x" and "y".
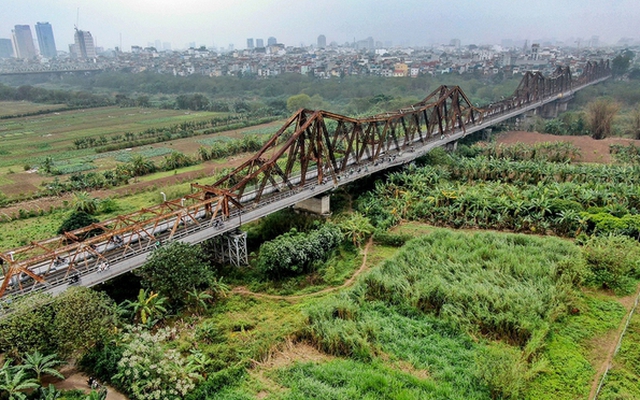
{"x": 634, "y": 127}
{"x": 620, "y": 64}
{"x": 174, "y": 268}
{"x": 600, "y": 115}
{"x": 141, "y": 166}
{"x": 77, "y": 220}
{"x": 49, "y": 393}
{"x": 41, "y": 364}
{"x": 298, "y": 101}
{"x": 14, "y": 380}
{"x": 83, "y": 317}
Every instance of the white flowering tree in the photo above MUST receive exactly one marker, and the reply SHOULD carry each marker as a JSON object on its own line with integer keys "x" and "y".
{"x": 150, "y": 370}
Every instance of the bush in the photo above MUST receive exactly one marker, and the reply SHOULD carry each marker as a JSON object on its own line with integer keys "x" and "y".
{"x": 102, "y": 361}
{"x": 505, "y": 371}
{"x": 66, "y": 324}
{"x": 77, "y": 220}
{"x": 390, "y": 239}
{"x": 294, "y": 253}
{"x": 148, "y": 370}
{"x": 614, "y": 261}
{"x": 83, "y": 317}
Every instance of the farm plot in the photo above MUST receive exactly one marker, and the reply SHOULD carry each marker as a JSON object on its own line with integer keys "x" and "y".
{"x": 25, "y": 107}
{"x": 28, "y": 139}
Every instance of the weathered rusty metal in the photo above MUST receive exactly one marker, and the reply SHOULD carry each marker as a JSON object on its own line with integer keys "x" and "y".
{"x": 311, "y": 146}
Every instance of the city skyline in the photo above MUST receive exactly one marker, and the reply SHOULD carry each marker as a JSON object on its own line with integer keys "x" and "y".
{"x": 408, "y": 22}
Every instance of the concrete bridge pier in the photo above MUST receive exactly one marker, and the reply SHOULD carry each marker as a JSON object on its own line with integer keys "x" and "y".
{"x": 551, "y": 110}
{"x": 317, "y": 205}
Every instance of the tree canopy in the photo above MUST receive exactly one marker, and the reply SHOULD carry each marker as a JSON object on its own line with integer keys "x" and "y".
{"x": 175, "y": 268}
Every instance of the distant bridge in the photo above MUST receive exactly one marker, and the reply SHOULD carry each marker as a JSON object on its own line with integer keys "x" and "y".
{"x": 313, "y": 153}
{"x": 37, "y": 69}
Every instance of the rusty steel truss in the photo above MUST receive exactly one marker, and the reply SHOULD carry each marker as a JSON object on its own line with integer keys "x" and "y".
{"x": 312, "y": 146}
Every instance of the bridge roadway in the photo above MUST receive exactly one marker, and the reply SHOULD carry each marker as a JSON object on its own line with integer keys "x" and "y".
{"x": 121, "y": 264}
{"x": 36, "y": 71}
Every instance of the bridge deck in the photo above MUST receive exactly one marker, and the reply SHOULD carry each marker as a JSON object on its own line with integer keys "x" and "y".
{"x": 195, "y": 231}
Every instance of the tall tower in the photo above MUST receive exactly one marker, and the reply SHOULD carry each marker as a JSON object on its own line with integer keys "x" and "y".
{"x": 6, "y": 48}
{"x": 322, "y": 42}
{"x": 84, "y": 44}
{"x": 23, "y": 42}
{"x": 259, "y": 43}
{"x": 272, "y": 41}
{"x": 46, "y": 41}
{"x": 250, "y": 44}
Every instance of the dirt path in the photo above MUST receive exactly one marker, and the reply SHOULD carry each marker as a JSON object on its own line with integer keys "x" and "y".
{"x": 241, "y": 290}
{"x": 629, "y": 303}
{"x": 75, "y": 380}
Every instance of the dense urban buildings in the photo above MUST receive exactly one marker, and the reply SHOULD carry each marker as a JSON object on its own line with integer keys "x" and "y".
{"x": 323, "y": 60}
{"x": 23, "y": 42}
{"x": 46, "y": 42}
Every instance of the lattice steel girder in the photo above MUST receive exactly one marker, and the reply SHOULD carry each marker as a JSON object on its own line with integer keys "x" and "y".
{"x": 310, "y": 145}
{"x": 119, "y": 235}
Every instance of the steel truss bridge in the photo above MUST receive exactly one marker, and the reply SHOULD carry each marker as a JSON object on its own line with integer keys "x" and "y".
{"x": 313, "y": 153}
{"x": 50, "y": 69}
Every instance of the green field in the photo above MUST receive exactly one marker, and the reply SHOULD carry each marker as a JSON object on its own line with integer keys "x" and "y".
{"x": 25, "y": 107}
{"x": 31, "y": 139}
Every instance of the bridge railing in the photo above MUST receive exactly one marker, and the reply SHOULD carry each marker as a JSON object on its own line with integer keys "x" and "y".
{"x": 37, "y": 266}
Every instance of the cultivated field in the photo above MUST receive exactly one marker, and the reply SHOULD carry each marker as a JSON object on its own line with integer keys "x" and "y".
{"x": 26, "y": 142}
{"x": 25, "y": 107}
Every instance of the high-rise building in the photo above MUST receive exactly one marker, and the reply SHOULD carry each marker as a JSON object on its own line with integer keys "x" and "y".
{"x": 250, "y": 44}
{"x": 272, "y": 41}
{"x": 322, "y": 42}
{"x": 46, "y": 42}
{"x": 6, "y": 48}
{"x": 259, "y": 43}
{"x": 84, "y": 46}
{"x": 23, "y": 42}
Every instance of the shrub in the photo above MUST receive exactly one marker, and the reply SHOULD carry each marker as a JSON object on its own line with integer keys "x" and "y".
{"x": 148, "y": 370}
{"x": 390, "y": 239}
{"x": 77, "y": 220}
{"x": 613, "y": 261}
{"x": 294, "y": 253}
{"x": 101, "y": 361}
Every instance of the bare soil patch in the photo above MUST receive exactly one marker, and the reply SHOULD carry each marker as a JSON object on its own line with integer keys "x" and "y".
{"x": 593, "y": 151}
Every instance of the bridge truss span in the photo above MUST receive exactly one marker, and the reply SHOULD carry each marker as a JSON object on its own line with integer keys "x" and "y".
{"x": 313, "y": 152}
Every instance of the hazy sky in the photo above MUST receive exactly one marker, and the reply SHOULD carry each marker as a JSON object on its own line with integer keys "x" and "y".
{"x": 415, "y": 22}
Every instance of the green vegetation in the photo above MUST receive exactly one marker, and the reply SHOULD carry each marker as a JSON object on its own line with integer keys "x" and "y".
{"x": 295, "y": 252}
{"x": 435, "y": 314}
{"x": 622, "y": 380}
{"x": 176, "y": 266}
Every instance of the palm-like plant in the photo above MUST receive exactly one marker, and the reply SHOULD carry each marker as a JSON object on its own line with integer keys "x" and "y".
{"x": 198, "y": 300}
{"x": 41, "y": 364}
{"x": 14, "y": 380}
{"x": 82, "y": 201}
{"x": 49, "y": 393}
{"x": 146, "y": 307}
